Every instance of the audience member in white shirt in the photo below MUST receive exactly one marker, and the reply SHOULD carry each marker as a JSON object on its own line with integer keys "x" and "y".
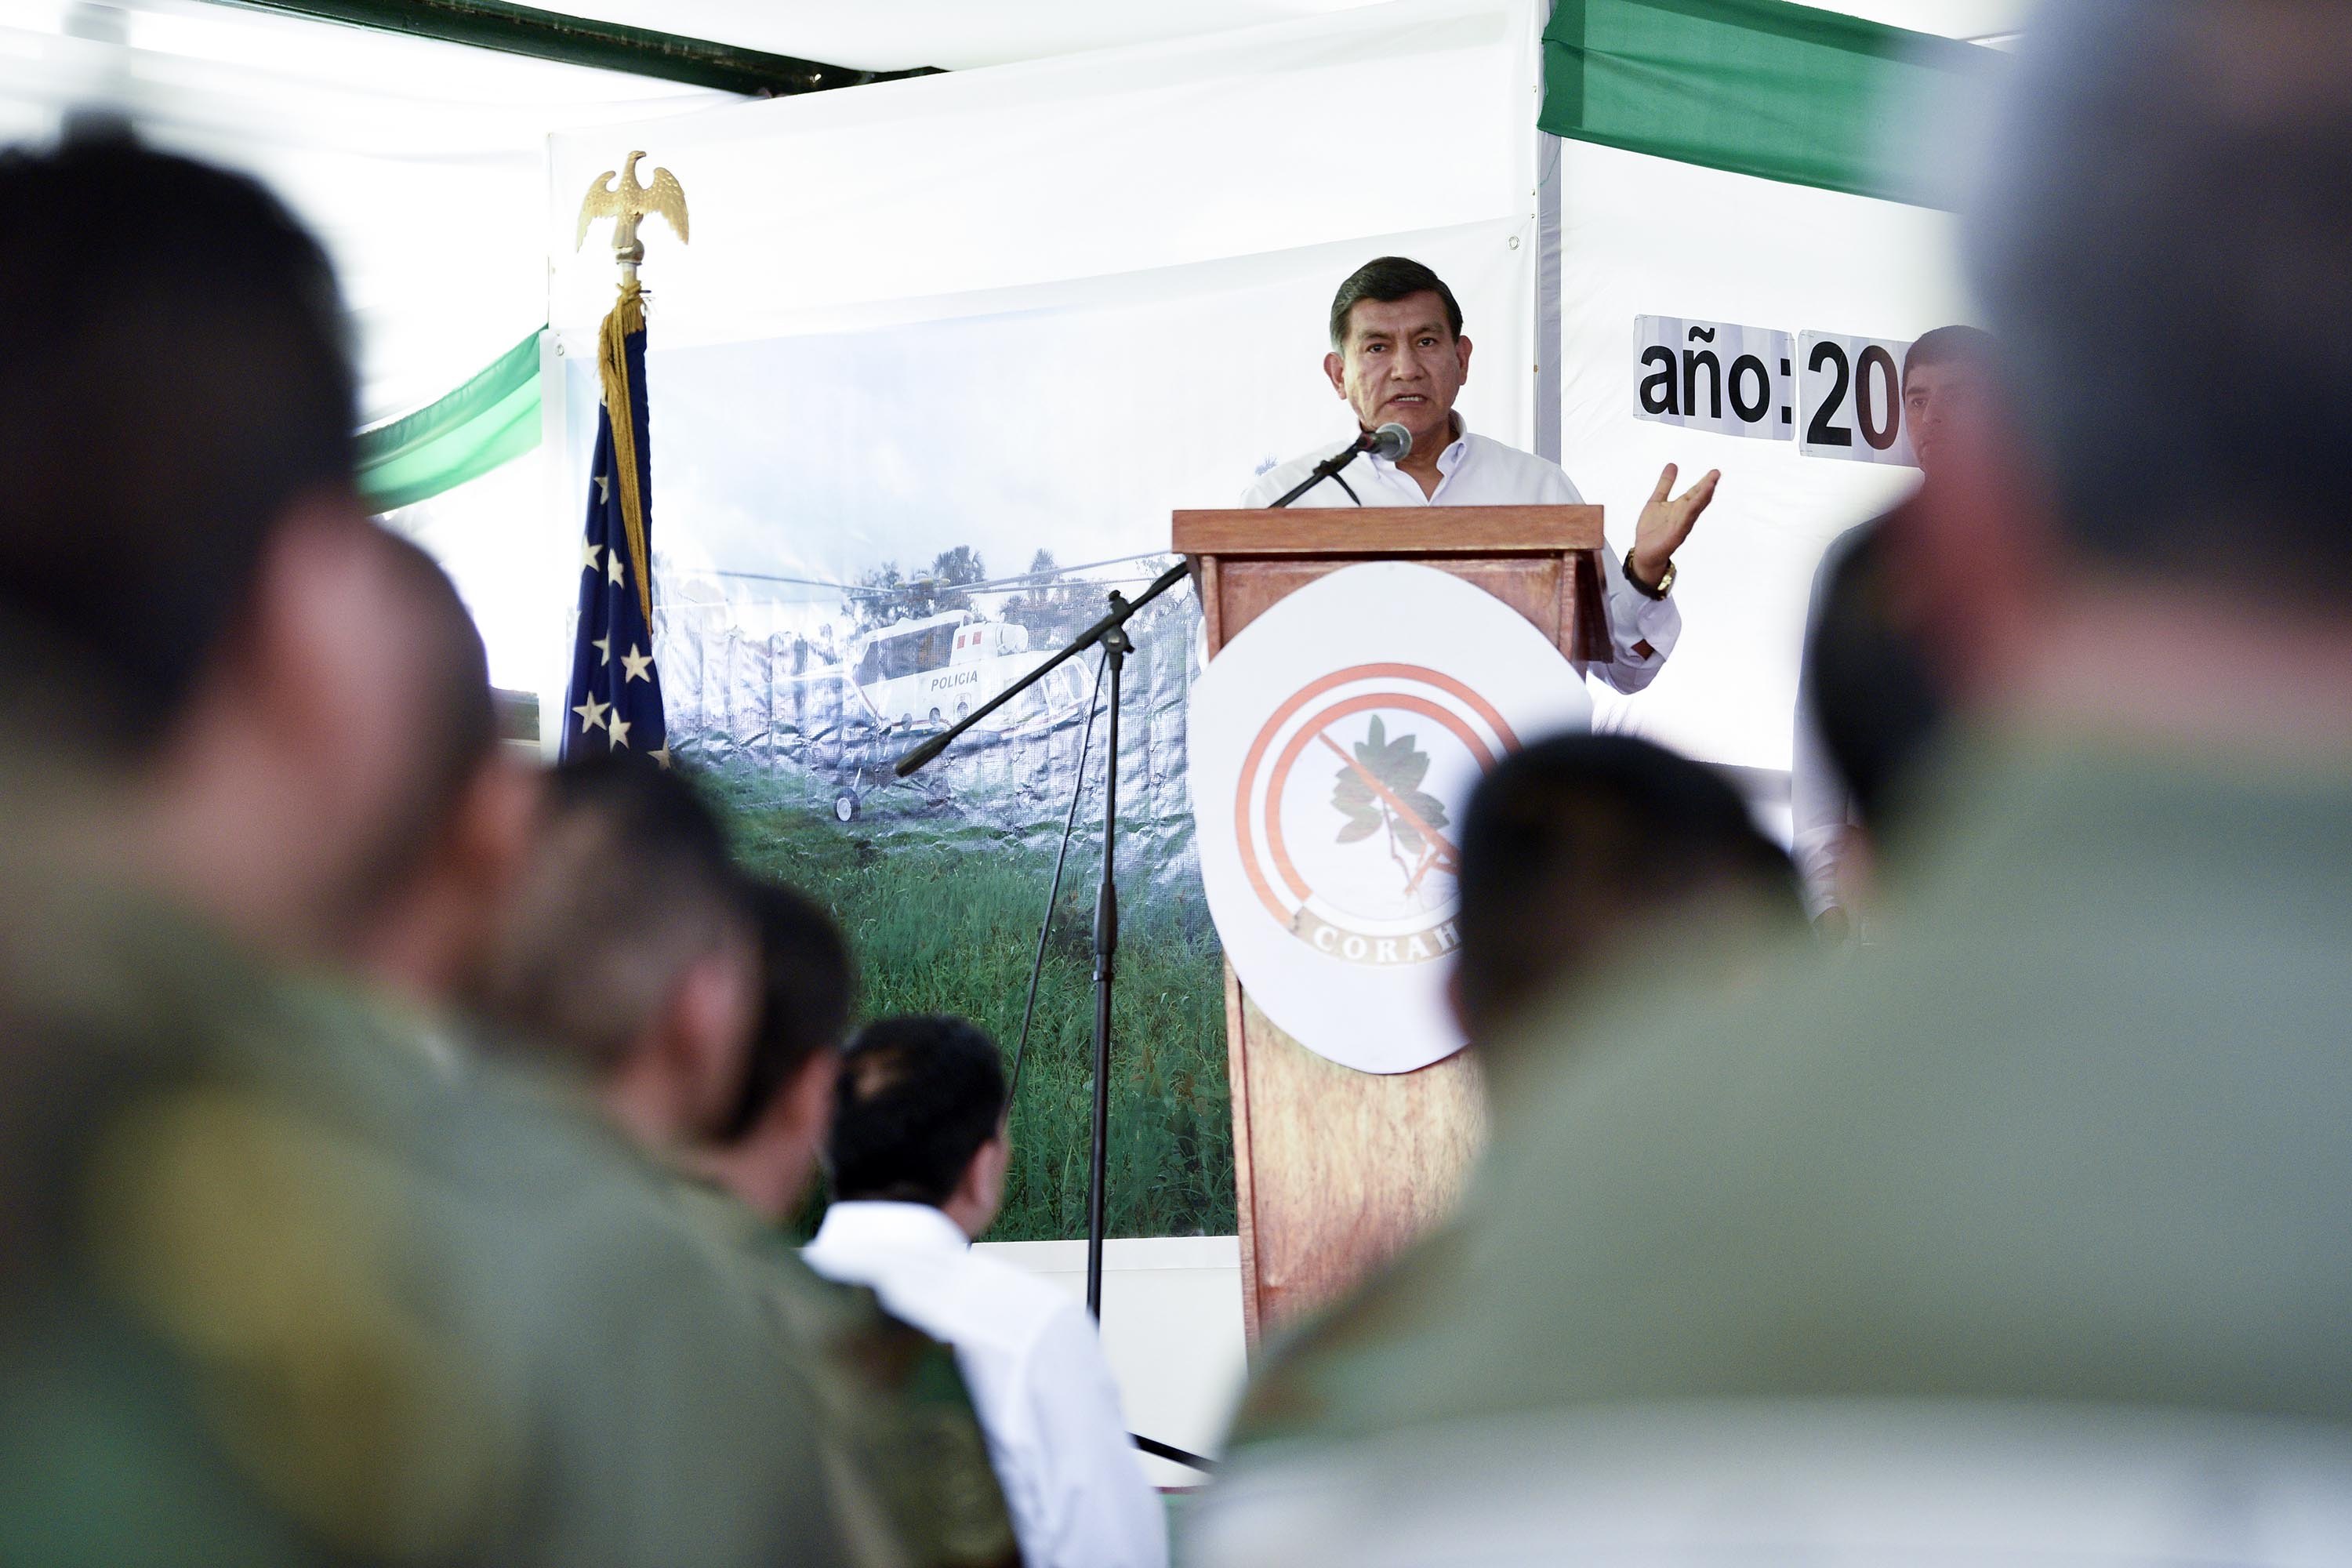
{"x": 1398, "y": 357}
{"x": 918, "y": 1155}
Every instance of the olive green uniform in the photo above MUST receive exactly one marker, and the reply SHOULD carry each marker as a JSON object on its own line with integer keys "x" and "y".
{"x": 2077, "y": 1133}
{"x": 284, "y": 1283}
{"x": 906, "y": 1455}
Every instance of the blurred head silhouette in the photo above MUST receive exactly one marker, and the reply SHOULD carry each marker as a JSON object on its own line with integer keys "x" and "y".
{"x": 2161, "y": 247}
{"x": 629, "y": 950}
{"x": 210, "y": 636}
{"x": 767, "y": 1149}
{"x": 1578, "y": 849}
{"x": 195, "y": 405}
{"x": 430, "y": 929}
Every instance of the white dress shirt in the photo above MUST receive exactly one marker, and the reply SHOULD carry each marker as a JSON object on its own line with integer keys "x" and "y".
{"x": 1042, "y": 1391}
{"x": 1477, "y": 472}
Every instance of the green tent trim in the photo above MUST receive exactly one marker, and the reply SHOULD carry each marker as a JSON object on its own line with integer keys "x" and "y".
{"x": 1766, "y": 88}
{"x": 491, "y": 419}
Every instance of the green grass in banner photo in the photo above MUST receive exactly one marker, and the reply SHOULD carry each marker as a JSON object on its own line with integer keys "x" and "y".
{"x": 950, "y": 925}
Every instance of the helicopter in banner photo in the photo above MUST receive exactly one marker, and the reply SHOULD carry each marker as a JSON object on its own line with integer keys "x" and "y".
{"x": 935, "y": 670}
{"x": 927, "y": 673}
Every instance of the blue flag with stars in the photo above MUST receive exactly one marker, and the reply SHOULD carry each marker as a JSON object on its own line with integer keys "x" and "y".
{"x": 615, "y": 696}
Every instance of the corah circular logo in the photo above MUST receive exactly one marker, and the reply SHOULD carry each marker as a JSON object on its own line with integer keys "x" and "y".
{"x": 1333, "y": 743}
{"x": 1340, "y": 812}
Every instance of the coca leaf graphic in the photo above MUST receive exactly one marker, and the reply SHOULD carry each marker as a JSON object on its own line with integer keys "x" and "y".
{"x": 1355, "y": 801}
{"x": 1424, "y": 811}
{"x": 1387, "y": 776}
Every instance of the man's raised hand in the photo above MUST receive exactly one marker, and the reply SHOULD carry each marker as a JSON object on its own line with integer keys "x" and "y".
{"x": 1665, "y": 523}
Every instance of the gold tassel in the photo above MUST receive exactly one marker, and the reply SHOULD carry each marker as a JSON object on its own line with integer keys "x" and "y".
{"x": 627, "y": 315}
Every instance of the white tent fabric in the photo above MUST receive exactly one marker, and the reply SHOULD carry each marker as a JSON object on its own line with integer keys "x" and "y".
{"x": 425, "y": 167}
{"x": 1171, "y": 218}
{"x": 814, "y": 211}
{"x": 956, "y": 35}
{"x": 1233, "y": 163}
{"x": 421, "y": 165}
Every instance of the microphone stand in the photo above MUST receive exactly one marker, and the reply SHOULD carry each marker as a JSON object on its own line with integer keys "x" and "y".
{"x": 1110, "y": 634}
{"x": 1329, "y": 467}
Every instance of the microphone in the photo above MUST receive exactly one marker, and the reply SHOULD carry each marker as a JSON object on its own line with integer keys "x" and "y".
{"x": 1391, "y": 441}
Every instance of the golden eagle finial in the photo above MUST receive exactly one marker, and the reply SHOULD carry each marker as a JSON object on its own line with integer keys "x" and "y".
{"x": 627, "y": 202}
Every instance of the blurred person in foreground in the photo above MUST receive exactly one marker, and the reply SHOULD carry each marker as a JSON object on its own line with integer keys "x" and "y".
{"x": 629, "y": 955}
{"x": 1868, "y": 705}
{"x": 705, "y": 1012}
{"x": 1579, "y": 853}
{"x": 917, "y": 1157}
{"x": 1594, "y": 869}
{"x": 2028, "y": 1240}
{"x": 424, "y": 939}
{"x": 282, "y": 1280}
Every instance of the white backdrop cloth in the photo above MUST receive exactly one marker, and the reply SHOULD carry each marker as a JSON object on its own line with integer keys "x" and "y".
{"x": 418, "y": 164}
{"x": 812, "y": 211}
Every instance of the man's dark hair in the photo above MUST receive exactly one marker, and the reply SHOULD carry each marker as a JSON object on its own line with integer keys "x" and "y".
{"x": 663, "y": 822}
{"x": 1949, "y": 345}
{"x": 176, "y": 348}
{"x": 630, "y": 883}
{"x": 916, "y": 1099}
{"x": 808, "y": 987}
{"x": 1387, "y": 280}
{"x": 2163, "y": 257}
{"x": 1875, "y": 695}
{"x": 1572, "y": 842}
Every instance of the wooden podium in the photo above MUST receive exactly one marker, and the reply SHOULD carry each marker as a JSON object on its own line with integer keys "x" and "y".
{"x": 1334, "y": 1169}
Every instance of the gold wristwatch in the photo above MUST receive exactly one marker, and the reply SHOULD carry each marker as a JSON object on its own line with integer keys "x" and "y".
{"x": 1666, "y": 583}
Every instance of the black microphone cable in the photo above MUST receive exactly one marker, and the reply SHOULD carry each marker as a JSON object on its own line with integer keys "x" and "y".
{"x": 1069, "y": 824}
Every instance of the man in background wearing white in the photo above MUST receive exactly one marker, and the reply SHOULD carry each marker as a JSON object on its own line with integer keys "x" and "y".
{"x": 919, "y": 1154}
{"x": 1398, "y": 357}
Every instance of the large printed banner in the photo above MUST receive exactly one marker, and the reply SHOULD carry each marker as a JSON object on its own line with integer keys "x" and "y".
{"x": 1850, "y": 388}
{"x": 868, "y": 535}
{"x": 1732, "y": 380}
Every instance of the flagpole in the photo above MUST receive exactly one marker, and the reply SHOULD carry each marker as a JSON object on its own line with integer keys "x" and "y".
{"x": 613, "y": 643}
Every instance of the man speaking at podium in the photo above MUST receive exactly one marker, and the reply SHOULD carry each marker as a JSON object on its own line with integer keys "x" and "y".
{"x": 1398, "y": 357}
